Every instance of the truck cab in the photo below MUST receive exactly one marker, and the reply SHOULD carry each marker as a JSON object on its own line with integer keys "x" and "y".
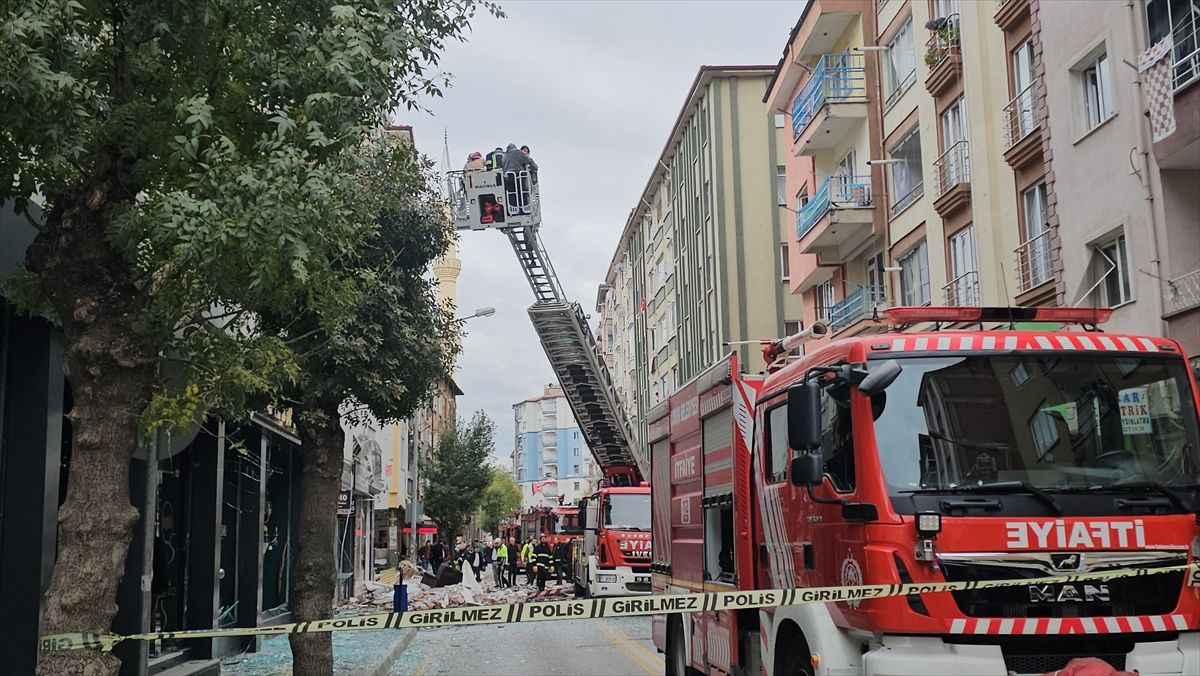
{"x": 969, "y": 455}
{"x": 615, "y": 557}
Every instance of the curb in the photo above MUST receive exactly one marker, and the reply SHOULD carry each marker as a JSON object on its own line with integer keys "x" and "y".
{"x": 383, "y": 667}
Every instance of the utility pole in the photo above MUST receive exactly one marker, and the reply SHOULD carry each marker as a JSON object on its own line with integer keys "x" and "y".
{"x": 416, "y": 475}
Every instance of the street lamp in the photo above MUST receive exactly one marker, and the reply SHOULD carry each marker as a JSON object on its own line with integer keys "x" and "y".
{"x": 481, "y": 312}
{"x": 416, "y": 461}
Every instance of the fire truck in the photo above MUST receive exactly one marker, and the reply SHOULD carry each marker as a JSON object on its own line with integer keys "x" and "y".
{"x": 1039, "y": 448}
{"x": 615, "y": 554}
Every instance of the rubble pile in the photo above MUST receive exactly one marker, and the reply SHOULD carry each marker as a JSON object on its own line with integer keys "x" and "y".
{"x": 377, "y": 597}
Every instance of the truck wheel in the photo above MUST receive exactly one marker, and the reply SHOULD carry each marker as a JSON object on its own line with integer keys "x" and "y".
{"x": 796, "y": 660}
{"x": 676, "y": 654}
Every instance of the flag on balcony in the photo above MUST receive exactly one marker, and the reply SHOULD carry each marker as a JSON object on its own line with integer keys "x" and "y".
{"x": 539, "y": 485}
{"x": 643, "y": 305}
{"x": 1154, "y": 66}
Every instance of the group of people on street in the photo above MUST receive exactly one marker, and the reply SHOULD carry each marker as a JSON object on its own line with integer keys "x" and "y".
{"x": 504, "y": 559}
{"x": 510, "y": 163}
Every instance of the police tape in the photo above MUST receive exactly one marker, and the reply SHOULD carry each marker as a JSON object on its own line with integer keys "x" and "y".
{"x": 539, "y": 611}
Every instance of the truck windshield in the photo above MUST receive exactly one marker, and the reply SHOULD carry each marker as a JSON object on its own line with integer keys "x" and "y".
{"x": 1049, "y": 421}
{"x": 627, "y": 511}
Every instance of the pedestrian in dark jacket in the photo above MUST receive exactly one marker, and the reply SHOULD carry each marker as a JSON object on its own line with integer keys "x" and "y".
{"x": 495, "y": 160}
{"x": 543, "y": 558}
{"x": 561, "y": 559}
{"x": 517, "y": 189}
{"x": 437, "y": 554}
{"x": 514, "y": 561}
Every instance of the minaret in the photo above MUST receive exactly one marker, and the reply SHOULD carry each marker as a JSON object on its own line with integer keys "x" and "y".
{"x": 447, "y": 267}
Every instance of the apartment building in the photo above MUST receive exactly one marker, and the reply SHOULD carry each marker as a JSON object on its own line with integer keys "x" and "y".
{"x": 689, "y": 279}
{"x": 1128, "y": 210}
{"x": 551, "y": 461}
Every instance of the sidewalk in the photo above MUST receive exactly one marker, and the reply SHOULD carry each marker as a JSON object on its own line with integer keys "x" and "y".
{"x": 365, "y": 653}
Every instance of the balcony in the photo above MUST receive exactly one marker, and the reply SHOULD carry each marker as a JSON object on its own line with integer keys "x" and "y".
{"x": 1034, "y": 264}
{"x": 1010, "y": 12}
{"x": 832, "y": 103}
{"x": 963, "y": 290}
{"x": 1181, "y": 148}
{"x": 953, "y": 171}
{"x": 861, "y": 304}
{"x": 838, "y": 218}
{"x": 1023, "y": 126}
{"x": 943, "y": 56}
{"x": 1183, "y": 293}
{"x": 810, "y": 272}
{"x": 1185, "y": 37}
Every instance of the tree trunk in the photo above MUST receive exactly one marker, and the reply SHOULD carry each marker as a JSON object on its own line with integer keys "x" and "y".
{"x": 316, "y": 565}
{"x": 111, "y": 369}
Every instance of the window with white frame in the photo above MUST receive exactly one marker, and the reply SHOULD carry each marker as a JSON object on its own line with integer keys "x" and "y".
{"x": 907, "y": 177}
{"x": 914, "y": 276}
{"x": 784, "y": 264}
{"x": 1180, "y": 20}
{"x": 781, "y": 185}
{"x": 823, "y": 296}
{"x": 1095, "y": 80}
{"x": 964, "y": 289}
{"x": 1110, "y": 269}
{"x": 901, "y": 61}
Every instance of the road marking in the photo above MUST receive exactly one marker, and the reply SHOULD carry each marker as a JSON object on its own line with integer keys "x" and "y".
{"x": 429, "y": 651}
{"x": 621, "y": 641}
{"x": 638, "y": 643}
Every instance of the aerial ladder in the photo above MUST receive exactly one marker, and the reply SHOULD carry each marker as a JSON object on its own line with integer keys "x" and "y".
{"x": 509, "y": 202}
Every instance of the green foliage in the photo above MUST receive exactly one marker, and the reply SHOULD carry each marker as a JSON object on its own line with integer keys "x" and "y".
{"x": 454, "y": 485}
{"x": 501, "y": 497}
{"x": 219, "y": 145}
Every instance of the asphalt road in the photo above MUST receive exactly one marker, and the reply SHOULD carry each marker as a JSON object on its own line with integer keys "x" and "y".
{"x": 604, "y": 647}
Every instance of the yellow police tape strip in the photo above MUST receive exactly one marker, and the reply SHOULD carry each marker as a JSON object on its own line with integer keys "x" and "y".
{"x": 538, "y": 611}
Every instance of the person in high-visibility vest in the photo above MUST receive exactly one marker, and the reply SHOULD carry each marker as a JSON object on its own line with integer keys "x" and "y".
{"x": 527, "y": 560}
{"x": 543, "y": 557}
{"x": 499, "y": 561}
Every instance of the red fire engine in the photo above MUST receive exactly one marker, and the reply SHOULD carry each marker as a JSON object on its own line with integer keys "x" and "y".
{"x": 936, "y": 456}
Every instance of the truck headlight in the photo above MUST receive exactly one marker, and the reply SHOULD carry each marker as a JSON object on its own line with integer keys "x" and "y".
{"x": 602, "y": 578}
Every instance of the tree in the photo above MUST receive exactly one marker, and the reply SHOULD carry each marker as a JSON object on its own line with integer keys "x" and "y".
{"x": 455, "y": 483}
{"x": 189, "y": 156}
{"x": 501, "y": 497}
{"x": 378, "y": 355}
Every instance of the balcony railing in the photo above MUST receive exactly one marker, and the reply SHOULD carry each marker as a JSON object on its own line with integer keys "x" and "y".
{"x": 837, "y": 77}
{"x": 1183, "y": 293}
{"x": 1022, "y": 115}
{"x": 1033, "y": 262}
{"x": 963, "y": 290}
{"x": 942, "y": 42}
{"x": 1186, "y": 48}
{"x": 835, "y": 191}
{"x": 953, "y": 167}
{"x": 856, "y": 306}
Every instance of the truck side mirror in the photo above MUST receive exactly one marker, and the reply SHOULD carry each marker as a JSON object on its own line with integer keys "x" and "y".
{"x": 807, "y": 469}
{"x": 880, "y": 377}
{"x": 804, "y": 416}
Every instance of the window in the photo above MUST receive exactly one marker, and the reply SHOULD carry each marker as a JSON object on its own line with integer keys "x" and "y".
{"x": 1096, "y": 81}
{"x": 954, "y": 169}
{"x": 907, "y": 180}
{"x": 837, "y": 439}
{"x": 575, "y": 469}
{"x": 1022, "y": 118}
{"x": 945, "y": 8}
{"x": 824, "y": 299}
{"x": 1043, "y": 431}
{"x": 964, "y": 290}
{"x": 791, "y": 328}
{"x": 914, "y": 276}
{"x": 784, "y": 264}
{"x": 1180, "y": 19}
{"x": 1110, "y": 267}
{"x": 653, "y": 342}
{"x": 718, "y": 543}
{"x": 576, "y": 485}
{"x": 781, "y": 185}
{"x": 1035, "y": 252}
{"x": 776, "y": 458}
{"x": 901, "y": 62}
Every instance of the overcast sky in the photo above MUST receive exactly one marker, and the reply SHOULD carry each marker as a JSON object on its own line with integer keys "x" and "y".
{"x": 593, "y": 88}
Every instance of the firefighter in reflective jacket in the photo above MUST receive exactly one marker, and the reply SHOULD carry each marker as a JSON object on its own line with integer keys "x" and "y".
{"x": 543, "y": 559}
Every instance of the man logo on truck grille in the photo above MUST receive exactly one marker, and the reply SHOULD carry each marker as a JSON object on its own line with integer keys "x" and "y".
{"x": 1068, "y": 593}
{"x": 1066, "y": 562}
